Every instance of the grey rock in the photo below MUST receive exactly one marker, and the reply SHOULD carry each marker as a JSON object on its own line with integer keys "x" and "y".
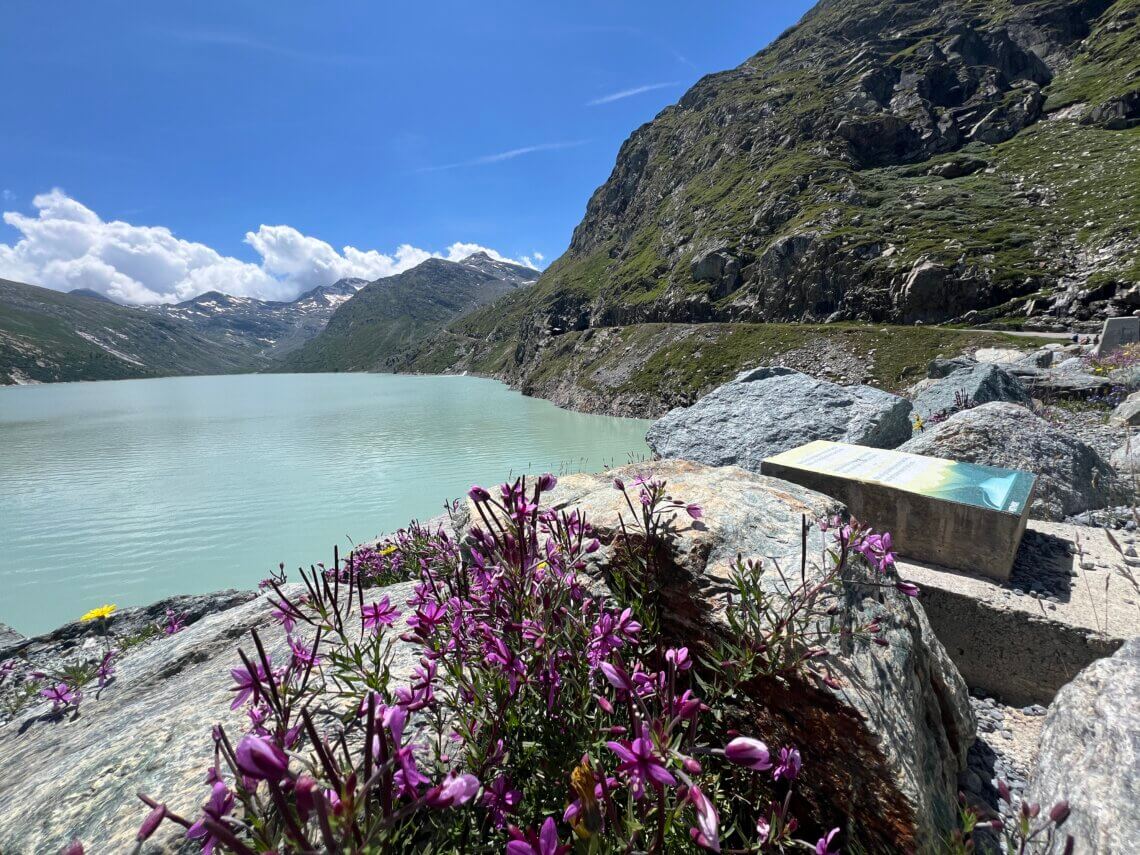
{"x": 1071, "y": 476}
{"x": 1127, "y": 413}
{"x": 147, "y": 730}
{"x": 1059, "y": 383}
{"x": 895, "y": 735}
{"x": 1090, "y": 755}
{"x": 769, "y": 410}
{"x": 939, "y": 368}
{"x": 979, "y": 383}
{"x": 9, "y": 638}
{"x": 1126, "y": 459}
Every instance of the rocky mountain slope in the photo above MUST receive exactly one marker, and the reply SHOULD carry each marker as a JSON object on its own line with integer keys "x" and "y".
{"x": 48, "y": 336}
{"x": 372, "y": 330}
{"x": 264, "y": 328}
{"x": 970, "y": 160}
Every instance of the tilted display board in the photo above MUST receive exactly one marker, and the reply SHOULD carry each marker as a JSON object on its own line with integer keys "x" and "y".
{"x": 959, "y": 515}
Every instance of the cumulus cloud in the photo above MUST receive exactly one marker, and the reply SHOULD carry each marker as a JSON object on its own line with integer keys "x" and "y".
{"x": 66, "y": 245}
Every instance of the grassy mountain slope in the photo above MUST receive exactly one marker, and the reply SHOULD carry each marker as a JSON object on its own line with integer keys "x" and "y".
{"x": 48, "y": 336}
{"x": 929, "y": 160}
{"x": 372, "y": 330}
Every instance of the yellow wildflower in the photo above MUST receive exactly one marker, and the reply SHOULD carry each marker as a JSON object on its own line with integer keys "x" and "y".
{"x": 389, "y": 549}
{"x": 99, "y": 613}
{"x": 919, "y": 424}
{"x": 589, "y": 818}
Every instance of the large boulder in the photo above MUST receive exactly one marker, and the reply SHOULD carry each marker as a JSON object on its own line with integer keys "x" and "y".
{"x": 887, "y": 744}
{"x": 147, "y": 730}
{"x": 768, "y": 410}
{"x": 1090, "y": 755}
{"x": 978, "y": 384}
{"x": 1071, "y": 476}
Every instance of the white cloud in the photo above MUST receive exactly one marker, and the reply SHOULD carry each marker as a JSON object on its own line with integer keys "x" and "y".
{"x": 66, "y": 245}
{"x": 629, "y": 93}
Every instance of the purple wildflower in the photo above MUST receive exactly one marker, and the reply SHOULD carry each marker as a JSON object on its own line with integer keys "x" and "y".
{"x": 695, "y": 511}
{"x": 61, "y": 695}
{"x": 640, "y": 763}
{"x": 221, "y": 802}
{"x": 478, "y": 494}
{"x": 707, "y": 833}
{"x": 106, "y": 669}
{"x": 175, "y": 622}
{"x": 284, "y": 615}
{"x": 908, "y": 588}
{"x": 789, "y": 766}
{"x": 500, "y": 799}
{"x": 379, "y": 614}
{"x": 547, "y": 482}
{"x": 455, "y": 790}
{"x": 248, "y": 685}
{"x": 823, "y": 845}
{"x": 545, "y": 842}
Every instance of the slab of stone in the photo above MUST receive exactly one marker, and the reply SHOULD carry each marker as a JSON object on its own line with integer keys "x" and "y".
{"x": 1116, "y": 333}
{"x": 1070, "y": 600}
{"x": 1090, "y": 755}
{"x": 894, "y": 736}
{"x": 963, "y": 515}
{"x": 147, "y": 730}
{"x": 1071, "y": 476}
{"x": 768, "y": 410}
{"x": 980, "y": 383}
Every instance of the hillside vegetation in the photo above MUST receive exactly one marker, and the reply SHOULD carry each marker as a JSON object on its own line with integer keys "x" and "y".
{"x": 48, "y": 336}
{"x": 972, "y": 161}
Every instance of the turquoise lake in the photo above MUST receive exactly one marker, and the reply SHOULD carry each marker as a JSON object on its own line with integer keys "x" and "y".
{"x": 129, "y": 491}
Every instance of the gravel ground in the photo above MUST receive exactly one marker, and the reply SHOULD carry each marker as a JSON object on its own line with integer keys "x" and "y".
{"x": 1005, "y": 750}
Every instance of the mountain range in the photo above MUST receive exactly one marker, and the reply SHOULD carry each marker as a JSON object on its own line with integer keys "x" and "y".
{"x": 374, "y": 330}
{"x": 48, "y": 336}
{"x": 960, "y": 163}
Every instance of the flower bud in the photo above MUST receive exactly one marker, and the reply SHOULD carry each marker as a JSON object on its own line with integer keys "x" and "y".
{"x": 151, "y": 823}
{"x": 261, "y": 760}
{"x": 1060, "y": 812}
{"x": 752, "y": 753}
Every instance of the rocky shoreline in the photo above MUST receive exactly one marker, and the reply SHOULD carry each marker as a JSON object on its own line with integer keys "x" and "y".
{"x": 989, "y": 742}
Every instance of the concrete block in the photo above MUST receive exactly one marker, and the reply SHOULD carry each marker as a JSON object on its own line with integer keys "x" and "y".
{"x": 962, "y": 515}
{"x": 1117, "y": 332}
{"x": 1071, "y": 599}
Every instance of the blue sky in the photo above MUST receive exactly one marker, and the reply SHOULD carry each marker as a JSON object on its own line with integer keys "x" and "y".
{"x": 360, "y": 124}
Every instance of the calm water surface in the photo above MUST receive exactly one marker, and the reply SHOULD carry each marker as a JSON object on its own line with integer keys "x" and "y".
{"x": 128, "y": 491}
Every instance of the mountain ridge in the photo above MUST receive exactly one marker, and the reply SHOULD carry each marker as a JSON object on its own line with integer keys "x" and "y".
{"x": 969, "y": 161}
{"x": 373, "y": 329}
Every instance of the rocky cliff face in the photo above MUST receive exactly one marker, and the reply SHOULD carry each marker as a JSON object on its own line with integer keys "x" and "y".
{"x": 919, "y": 161}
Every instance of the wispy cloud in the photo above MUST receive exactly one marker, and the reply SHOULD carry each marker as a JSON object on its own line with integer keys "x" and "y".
{"x": 510, "y": 154}
{"x": 629, "y": 93}
{"x": 238, "y": 41}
